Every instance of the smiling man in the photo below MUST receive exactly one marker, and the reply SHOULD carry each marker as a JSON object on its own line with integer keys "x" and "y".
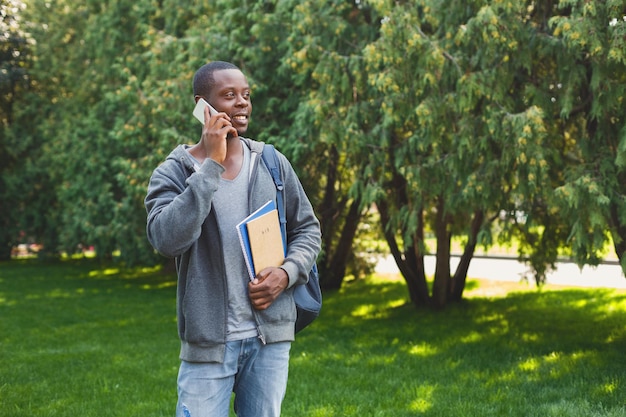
{"x": 235, "y": 333}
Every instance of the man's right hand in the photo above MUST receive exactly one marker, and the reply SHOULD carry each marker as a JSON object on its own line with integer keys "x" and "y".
{"x": 214, "y": 134}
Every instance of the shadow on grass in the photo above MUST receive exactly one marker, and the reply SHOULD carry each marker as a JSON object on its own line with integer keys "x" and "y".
{"x": 527, "y": 354}
{"x": 81, "y": 339}
{"x": 68, "y": 278}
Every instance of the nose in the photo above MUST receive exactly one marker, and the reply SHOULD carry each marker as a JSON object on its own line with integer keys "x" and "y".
{"x": 242, "y": 101}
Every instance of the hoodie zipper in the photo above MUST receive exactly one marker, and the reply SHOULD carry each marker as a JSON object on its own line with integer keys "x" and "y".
{"x": 254, "y": 166}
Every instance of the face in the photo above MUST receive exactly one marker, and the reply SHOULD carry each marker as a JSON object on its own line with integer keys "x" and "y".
{"x": 231, "y": 95}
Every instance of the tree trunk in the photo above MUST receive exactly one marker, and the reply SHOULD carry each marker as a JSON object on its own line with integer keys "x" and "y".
{"x": 5, "y": 251}
{"x": 333, "y": 276}
{"x": 618, "y": 232}
{"x": 441, "y": 283}
{"x": 411, "y": 262}
{"x": 460, "y": 275}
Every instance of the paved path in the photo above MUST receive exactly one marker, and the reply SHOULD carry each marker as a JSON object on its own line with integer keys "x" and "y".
{"x": 607, "y": 275}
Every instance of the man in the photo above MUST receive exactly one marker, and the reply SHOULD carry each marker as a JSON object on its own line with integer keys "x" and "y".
{"x": 235, "y": 333}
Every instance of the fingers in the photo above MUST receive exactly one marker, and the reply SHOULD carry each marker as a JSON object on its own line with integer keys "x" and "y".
{"x": 268, "y": 285}
{"x": 220, "y": 123}
{"x": 232, "y": 132}
{"x": 261, "y": 292}
{"x": 214, "y": 134}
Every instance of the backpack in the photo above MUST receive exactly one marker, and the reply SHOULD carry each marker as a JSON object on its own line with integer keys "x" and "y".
{"x": 308, "y": 297}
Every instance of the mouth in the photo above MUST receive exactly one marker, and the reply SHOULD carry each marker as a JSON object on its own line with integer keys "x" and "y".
{"x": 240, "y": 118}
{"x": 240, "y": 122}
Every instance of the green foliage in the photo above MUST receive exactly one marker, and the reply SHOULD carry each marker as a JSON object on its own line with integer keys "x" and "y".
{"x": 591, "y": 38}
{"x": 115, "y": 105}
{"x": 461, "y": 138}
{"x": 493, "y": 105}
{"x": 333, "y": 122}
{"x": 15, "y": 57}
{"x": 444, "y": 116}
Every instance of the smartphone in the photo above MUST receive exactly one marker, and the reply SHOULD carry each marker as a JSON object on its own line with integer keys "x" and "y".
{"x": 198, "y": 111}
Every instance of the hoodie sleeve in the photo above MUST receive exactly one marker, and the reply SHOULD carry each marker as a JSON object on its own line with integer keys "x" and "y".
{"x": 303, "y": 228}
{"x": 178, "y": 204}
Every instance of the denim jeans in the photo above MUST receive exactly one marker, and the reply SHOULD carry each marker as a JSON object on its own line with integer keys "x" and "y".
{"x": 256, "y": 373}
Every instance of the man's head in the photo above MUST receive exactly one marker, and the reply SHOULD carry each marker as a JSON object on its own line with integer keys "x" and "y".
{"x": 225, "y": 87}
{"x": 203, "y": 80}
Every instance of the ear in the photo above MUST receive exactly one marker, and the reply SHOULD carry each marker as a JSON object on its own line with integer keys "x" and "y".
{"x": 196, "y": 98}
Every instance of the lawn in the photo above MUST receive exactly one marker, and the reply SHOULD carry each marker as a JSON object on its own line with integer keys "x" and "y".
{"x": 79, "y": 339}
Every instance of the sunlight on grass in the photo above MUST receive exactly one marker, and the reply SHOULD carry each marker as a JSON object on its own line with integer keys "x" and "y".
{"x": 101, "y": 272}
{"x": 423, "y": 398}
{"x": 54, "y": 293}
{"x": 529, "y": 365}
{"x": 529, "y": 337}
{"x": 616, "y": 337}
{"x": 423, "y": 350}
{"x": 376, "y": 310}
{"x": 129, "y": 273}
{"x": 609, "y": 387}
{"x": 614, "y": 305}
{"x": 472, "y": 337}
{"x": 555, "y": 365}
{"x": 324, "y": 411}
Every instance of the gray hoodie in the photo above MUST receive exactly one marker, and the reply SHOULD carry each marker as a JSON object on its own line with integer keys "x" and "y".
{"x": 182, "y": 224}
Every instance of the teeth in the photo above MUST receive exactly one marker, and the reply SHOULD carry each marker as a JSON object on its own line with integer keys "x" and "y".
{"x": 241, "y": 117}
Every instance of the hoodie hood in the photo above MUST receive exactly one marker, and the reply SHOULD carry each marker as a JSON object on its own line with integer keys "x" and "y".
{"x": 181, "y": 154}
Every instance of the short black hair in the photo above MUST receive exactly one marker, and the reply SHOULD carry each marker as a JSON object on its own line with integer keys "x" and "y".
{"x": 203, "y": 81}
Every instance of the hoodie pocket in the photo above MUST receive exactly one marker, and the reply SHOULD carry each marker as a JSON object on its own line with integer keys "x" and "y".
{"x": 283, "y": 309}
{"x": 203, "y": 318}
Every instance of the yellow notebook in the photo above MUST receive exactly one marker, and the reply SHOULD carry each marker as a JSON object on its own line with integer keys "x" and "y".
{"x": 266, "y": 242}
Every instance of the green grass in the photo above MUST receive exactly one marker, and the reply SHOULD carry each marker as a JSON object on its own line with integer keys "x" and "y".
{"x": 76, "y": 339}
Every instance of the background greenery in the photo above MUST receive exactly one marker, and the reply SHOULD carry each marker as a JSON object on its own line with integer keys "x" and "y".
{"x": 483, "y": 120}
{"x": 480, "y": 122}
{"x": 79, "y": 339}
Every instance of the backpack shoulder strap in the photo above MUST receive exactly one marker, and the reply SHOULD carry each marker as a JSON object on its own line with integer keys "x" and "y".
{"x": 271, "y": 162}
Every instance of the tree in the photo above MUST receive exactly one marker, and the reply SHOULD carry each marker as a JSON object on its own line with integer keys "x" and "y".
{"x": 540, "y": 106}
{"x": 589, "y": 44}
{"x": 70, "y": 154}
{"x": 334, "y": 114}
{"x": 483, "y": 119}
{"x": 104, "y": 109}
{"x": 14, "y": 80}
{"x": 130, "y": 92}
{"x": 462, "y": 140}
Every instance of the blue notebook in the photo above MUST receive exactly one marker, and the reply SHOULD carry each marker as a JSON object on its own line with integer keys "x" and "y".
{"x": 248, "y": 248}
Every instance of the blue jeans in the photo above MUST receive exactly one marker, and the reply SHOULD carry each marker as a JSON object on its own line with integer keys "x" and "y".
{"x": 256, "y": 373}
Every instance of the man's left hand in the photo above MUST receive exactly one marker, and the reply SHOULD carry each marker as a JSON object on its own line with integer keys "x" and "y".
{"x": 267, "y": 286}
